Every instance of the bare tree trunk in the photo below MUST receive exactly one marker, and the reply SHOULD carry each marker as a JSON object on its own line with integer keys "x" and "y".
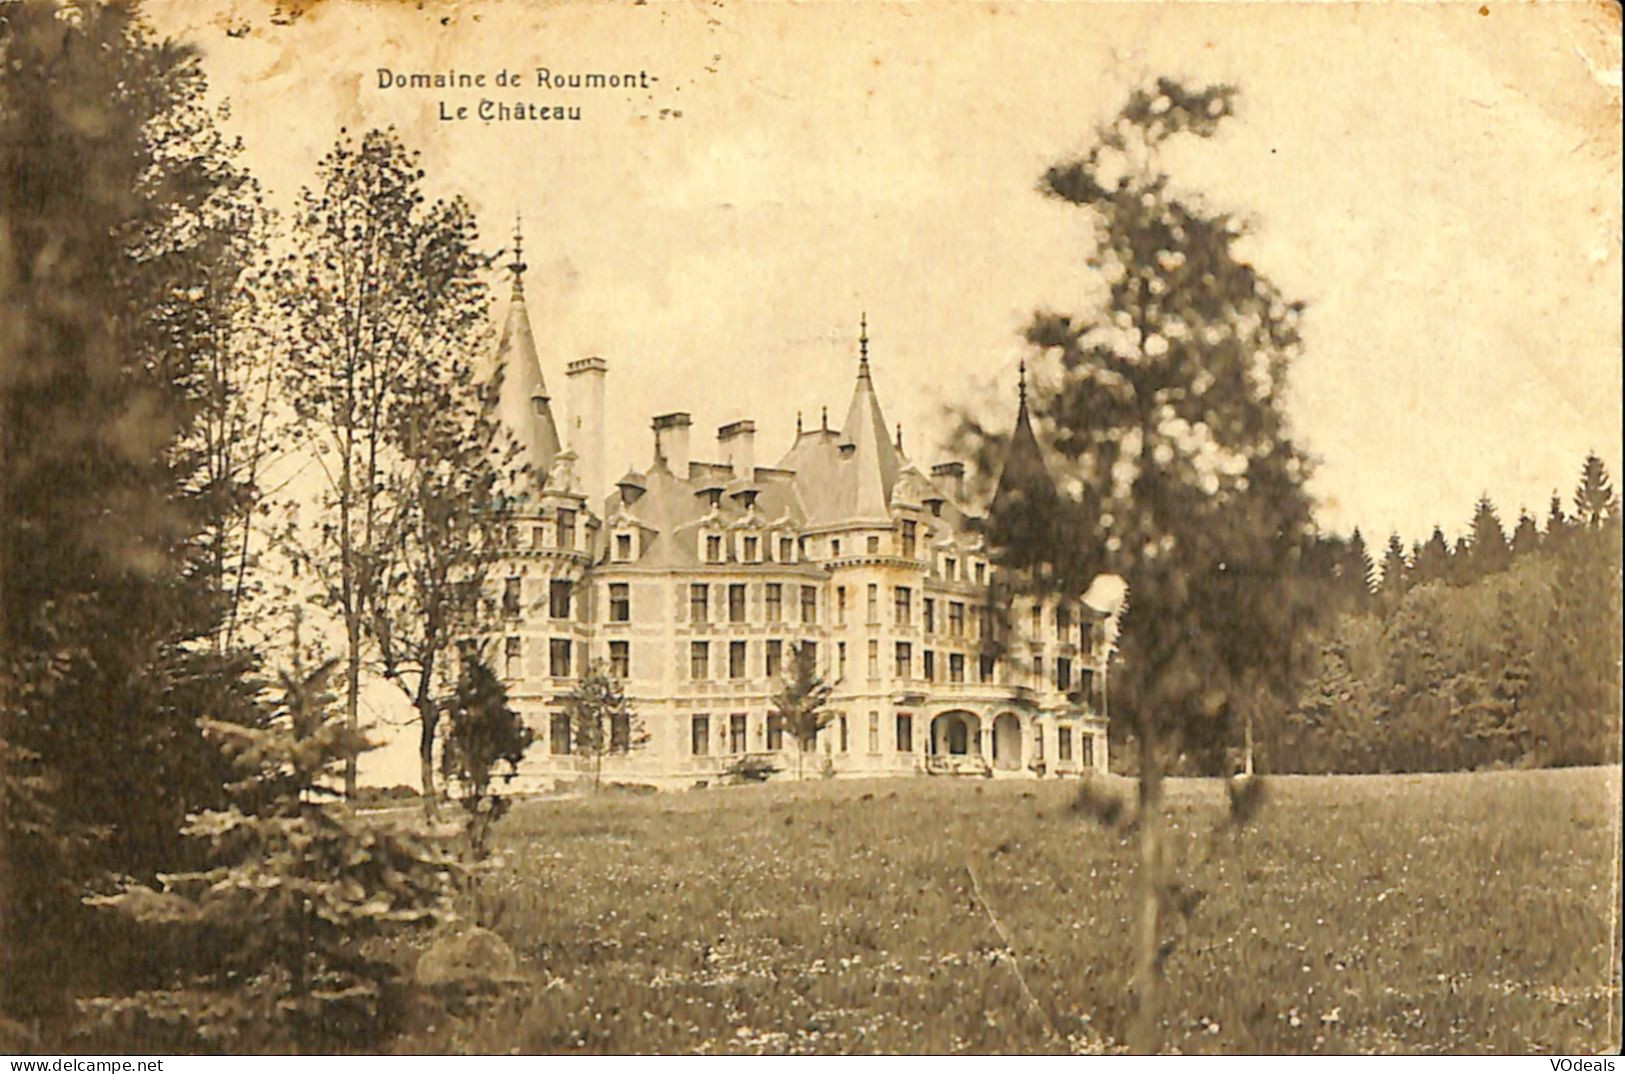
{"x": 1145, "y": 1031}
{"x": 431, "y": 800}
{"x": 1247, "y": 744}
{"x": 352, "y": 698}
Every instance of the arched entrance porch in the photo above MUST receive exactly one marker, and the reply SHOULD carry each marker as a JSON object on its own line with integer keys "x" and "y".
{"x": 1007, "y": 742}
{"x": 956, "y": 734}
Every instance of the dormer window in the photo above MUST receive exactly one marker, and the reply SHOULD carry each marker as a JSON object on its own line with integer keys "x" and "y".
{"x": 950, "y": 569}
{"x": 874, "y": 546}
{"x": 909, "y": 536}
{"x": 713, "y": 548}
{"x": 752, "y": 550}
{"x": 567, "y": 528}
{"x": 981, "y": 572}
{"x": 787, "y": 549}
{"x": 835, "y": 547}
{"x": 936, "y": 508}
{"x": 623, "y": 547}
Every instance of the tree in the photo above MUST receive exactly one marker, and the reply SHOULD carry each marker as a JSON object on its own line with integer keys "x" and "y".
{"x": 1557, "y": 523}
{"x": 1526, "y": 537}
{"x": 1594, "y": 499}
{"x": 1395, "y": 571}
{"x": 801, "y": 702}
{"x": 1489, "y": 543}
{"x": 384, "y": 311}
{"x": 1168, "y": 409}
{"x": 1432, "y": 563}
{"x": 296, "y": 887}
{"x": 111, "y": 205}
{"x": 483, "y": 734}
{"x": 602, "y": 720}
{"x": 1359, "y": 572}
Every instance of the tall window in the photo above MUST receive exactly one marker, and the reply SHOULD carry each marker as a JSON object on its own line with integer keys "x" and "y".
{"x": 511, "y": 651}
{"x": 1086, "y": 751}
{"x": 736, "y": 660}
{"x": 874, "y": 605}
{"x": 558, "y": 733}
{"x": 538, "y": 537}
{"x": 1038, "y": 671}
{"x": 905, "y": 660}
{"x": 1063, "y": 622}
{"x": 558, "y": 658}
{"x": 874, "y": 732}
{"x": 809, "y": 604}
{"x": 909, "y": 536}
{"x": 713, "y": 549}
{"x": 623, "y": 546}
{"x": 699, "y": 735}
{"x": 1063, "y": 743}
{"x": 1038, "y": 621}
{"x": 775, "y": 733}
{"x": 620, "y": 659}
{"x": 775, "y": 658}
{"x": 699, "y": 660}
{"x": 751, "y": 545}
{"x": 981, "y": 572}
{"x": 841, "y": 720}
{"x": 1063, "y": 674}
{"x": 956, "y": 667}
{"x": 1086, "y": 686}
{"x": 699, "y": 603}
{"x": 902, "y": 605}
{"x": 956, "y": 619}
{"x": 840, "y": 605}
{"x": 736, "y": 733}
{"x": 736, "y": 603}
{"x": 984, "y": 665}
{"x": 905, "y": 733}
{"x": 510, "y": 598}
{"x": 874, "y": 659}
{"x": 558, "y": 598}
{"x": 1038, "y": 742}
{"x": 620, "y": 602}
{"x": 775, "y": 602}
{"x": 787, "y": 550}
{"x": 929, "y": 673}
{"x": 1086, "y": 638}
{"x": 950, "y": 569}
{"x": 567, "y": 527}
{"x": 929, "y": 614}
{"x": 840, "y": 659}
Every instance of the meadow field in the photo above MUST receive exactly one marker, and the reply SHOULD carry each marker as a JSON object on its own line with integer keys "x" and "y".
{"x": 1388, "y": 914}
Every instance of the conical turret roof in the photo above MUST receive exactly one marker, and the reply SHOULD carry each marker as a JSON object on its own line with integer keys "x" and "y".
{"x": 523, "y": 403}
{"x": 1024, "y": 515}
{"x": 874, "y": 457}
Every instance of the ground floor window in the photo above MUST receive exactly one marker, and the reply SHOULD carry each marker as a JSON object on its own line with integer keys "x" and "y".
{"x": 1063, "y": 744}
{"x": 874, "y": 732}
{"x": 775, "y": 733}
{"x": 736, "y": 733}
{"x": 700, "y": 735}
{"x": 843, "y": 733}
{"x": 1038, "y": 742}
{"x": 1086, "y": 750}
{"x": 905, "y": 733}
{"x": 558, "y": 733}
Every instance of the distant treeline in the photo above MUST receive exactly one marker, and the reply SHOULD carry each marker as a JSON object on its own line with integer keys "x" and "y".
{"x": 1494, "y": 651}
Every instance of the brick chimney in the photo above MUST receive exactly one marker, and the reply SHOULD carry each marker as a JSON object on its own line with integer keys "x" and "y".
{"x": 951, "y": 474}
{"x": 586, "y": 384}
{"x": 736, "y": 442}
{"x": 671, "y": 442}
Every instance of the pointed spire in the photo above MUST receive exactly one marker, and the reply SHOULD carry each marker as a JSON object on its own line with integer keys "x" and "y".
{"x": 517, "y": 266}
{"x": 864, "y": 431}
{"x": 863, "y": 344}
{"x": 798, "y": 424}
{"x": 899, "y": 436}
{"x": 1022, "y": 516}
{"x": 824, "y": 420}
{"x": 1021, "y": 385}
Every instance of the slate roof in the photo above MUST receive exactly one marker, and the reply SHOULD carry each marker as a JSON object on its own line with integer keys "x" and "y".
{"x": 522, "y": 400}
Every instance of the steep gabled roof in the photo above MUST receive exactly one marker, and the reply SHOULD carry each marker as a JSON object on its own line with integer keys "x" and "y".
{"x": 522, "y": 402}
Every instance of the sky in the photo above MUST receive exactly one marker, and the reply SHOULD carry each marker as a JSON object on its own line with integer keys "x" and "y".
{"x": 1439, "y": 183}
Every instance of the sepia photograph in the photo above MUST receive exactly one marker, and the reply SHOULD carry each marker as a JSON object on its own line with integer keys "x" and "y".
{"x": 888, "y": 527}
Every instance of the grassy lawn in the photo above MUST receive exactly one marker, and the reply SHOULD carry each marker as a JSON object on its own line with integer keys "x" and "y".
{"x": 1450, "y": 913}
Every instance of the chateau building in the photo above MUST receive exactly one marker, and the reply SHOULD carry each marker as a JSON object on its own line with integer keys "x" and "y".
{"x": 694, "y": 581}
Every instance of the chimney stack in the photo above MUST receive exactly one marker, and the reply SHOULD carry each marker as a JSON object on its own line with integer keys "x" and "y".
{"x": 671, "y": 442}
{"x": 737, "y": 444}
{"x": 953, "y": 475}
{"x": 586, "y": 385}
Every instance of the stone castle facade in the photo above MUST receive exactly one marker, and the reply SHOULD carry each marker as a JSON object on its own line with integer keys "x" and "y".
{"x": 694, "y": 580}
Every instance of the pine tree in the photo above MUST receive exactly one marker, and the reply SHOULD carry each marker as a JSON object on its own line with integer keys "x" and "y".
{"x": 1594, "y": 499}
{"x": 1462, "y": 569}
{"x": 1432, "y": 564}
{"x": 1526, "y": 538}
{"x": 1359, "y": 572}
{"x": 801, "y": 702}
{"x": 1558, "y": 524}
{"x": 1489, "y": 543}
{"x": 111, "y": 205}
{"x": 281, "y": 917}
{"x": 1395, "y": 571}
